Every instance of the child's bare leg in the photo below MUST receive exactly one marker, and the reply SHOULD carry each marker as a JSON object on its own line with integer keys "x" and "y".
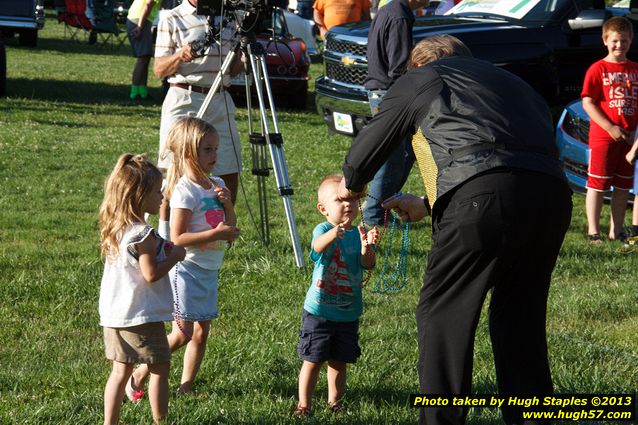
{"x": 336, "y": 380}
{"x": 307, "y": 382}
{"x": 176, "y": 339}
{"x": 194, "y": 355}
{"x": 618, "y": 207}
{"x": 593, "y": 207}
{"x": 158, "y": 390}
{"x": 114, "y": 392}
{"x": 634, "y": 214}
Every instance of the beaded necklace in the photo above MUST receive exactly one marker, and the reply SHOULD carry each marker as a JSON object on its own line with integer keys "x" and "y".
{"x": 178, "y": 314}
{"x": 388, "y": 283}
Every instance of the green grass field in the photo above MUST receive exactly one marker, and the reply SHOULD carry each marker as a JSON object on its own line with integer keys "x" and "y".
{"x": 63, "y": 125}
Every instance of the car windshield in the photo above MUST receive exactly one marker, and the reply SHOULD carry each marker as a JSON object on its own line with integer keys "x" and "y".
{"x": 529, "y": 10}
{"x": 272, "y": 25}
{"x": 622, "y": 4}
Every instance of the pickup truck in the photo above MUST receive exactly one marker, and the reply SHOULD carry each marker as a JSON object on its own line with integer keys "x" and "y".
{"x": 24, "y": 17}
{"x": 3, "y": 70}
{"x": 548, "y": 43}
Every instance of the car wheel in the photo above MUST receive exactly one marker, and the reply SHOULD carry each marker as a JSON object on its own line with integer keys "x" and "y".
{"x": 29, "y": 38}
{"x": 3, "y": 70}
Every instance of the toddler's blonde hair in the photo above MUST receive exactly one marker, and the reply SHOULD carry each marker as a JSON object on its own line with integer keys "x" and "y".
{"x": 131, "y": 181}
{"x": 183, "y": 141}
{"x": 330, "y": 178}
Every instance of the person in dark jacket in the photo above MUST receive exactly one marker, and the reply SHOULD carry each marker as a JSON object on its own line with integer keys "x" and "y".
{"x": 389, "y": 46}
{"x": 500, "y": 207}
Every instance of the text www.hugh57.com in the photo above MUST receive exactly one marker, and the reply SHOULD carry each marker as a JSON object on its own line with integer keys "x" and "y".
{"x": 583, "y": 415}
{"x": 567, "y": 407}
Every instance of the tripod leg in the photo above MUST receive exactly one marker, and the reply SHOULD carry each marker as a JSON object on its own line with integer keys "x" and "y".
{"x": 217, "y": 82}
{"x": 260, "y": 169}
{"x": 263, "y": 205}
{"x": 274, "y": 140}
{"x": 258, "y": 156}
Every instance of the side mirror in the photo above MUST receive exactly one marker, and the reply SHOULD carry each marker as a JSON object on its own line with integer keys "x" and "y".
{"x": 591, "y": 18}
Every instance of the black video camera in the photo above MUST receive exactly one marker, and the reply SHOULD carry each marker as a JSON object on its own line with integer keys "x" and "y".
{"x": 248, "y": 14}
{"x": 215, "y": 7}
{"x": 198, "y": 47}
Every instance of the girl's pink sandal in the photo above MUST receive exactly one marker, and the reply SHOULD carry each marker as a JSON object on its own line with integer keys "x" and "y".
{"x": 133, "y": 395}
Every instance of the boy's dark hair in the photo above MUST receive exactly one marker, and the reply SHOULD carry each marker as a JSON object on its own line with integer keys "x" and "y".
{"x": 618, "y": 24}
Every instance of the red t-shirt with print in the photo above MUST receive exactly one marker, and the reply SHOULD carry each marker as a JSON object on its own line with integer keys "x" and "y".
{"x": 614, "y": 88}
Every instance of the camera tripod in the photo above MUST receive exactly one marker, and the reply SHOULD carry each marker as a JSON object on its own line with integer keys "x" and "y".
{"x": 256, "y": 66}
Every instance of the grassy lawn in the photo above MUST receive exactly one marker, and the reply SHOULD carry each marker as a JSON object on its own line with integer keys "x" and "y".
{"x": 62, "y": 126}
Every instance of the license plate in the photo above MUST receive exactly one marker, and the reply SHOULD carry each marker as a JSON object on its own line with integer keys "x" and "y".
{"x": 343, "y": 122}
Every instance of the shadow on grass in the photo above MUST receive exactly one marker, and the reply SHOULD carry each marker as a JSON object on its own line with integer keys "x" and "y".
{"x": 72, "y": 46}
{"x": 284, "y": 103}
{"x": 77, "y": 91}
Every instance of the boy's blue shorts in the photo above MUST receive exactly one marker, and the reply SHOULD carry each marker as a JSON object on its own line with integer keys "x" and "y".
{"x": 321, "y": 339}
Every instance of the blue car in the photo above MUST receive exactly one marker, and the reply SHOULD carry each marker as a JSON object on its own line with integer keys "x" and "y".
{"x": 572, "y": 135}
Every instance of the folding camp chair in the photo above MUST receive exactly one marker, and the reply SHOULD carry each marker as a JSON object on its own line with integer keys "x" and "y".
{"x": 76, "y": 24}
{"x": 106, "y": 25}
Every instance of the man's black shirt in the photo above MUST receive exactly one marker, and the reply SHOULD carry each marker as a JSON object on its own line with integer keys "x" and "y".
{"x": 471, "y": 117}
{"x": 389, "y": 44}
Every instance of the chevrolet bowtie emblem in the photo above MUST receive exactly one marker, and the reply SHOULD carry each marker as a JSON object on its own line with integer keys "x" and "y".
{"x": 347, "y": 61}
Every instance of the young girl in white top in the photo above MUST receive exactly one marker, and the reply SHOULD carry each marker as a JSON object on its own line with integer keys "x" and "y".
{"x": 135, "y": 294}
{"x": 203, "y": 220}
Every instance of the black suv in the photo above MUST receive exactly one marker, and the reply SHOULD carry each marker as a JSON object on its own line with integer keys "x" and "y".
{"x": 548, "y": 43}
{"x": 24, "y": 17}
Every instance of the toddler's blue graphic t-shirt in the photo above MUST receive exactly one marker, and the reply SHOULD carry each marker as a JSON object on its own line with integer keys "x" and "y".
{"x": 335, "y": 292}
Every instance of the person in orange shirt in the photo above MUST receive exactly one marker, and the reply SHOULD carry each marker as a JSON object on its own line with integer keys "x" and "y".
{"x": 328, "y": 13}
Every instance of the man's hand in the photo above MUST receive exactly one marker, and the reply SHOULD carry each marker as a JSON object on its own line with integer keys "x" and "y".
{"x": 185, "y": 53}
{"x": 344, "y": 193}
{"x": 408, "y": 207}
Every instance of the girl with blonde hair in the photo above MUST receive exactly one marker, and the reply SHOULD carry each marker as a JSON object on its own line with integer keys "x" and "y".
{"x": 203, "y": 220}
{"x": 135, "y": 294}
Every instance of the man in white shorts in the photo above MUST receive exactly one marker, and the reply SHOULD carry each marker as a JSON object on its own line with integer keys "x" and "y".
{"x": 190, "y": 79}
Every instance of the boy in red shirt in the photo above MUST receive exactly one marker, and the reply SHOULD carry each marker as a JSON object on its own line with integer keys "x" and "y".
{"x": 610, "y": 98}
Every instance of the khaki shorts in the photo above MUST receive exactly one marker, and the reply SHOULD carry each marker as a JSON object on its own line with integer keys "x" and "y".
{"x": 181, "y": 103}
{"x": 145, "y": 343}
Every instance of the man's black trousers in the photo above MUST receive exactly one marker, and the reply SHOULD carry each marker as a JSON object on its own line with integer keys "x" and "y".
{"x": 500, "y": 231}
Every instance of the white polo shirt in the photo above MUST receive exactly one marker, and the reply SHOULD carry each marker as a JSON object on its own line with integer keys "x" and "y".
{"x": 179, "y": 27}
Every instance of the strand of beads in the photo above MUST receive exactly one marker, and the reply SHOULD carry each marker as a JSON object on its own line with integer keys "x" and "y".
{"x": 389, "y": 283}
{"x": 178, "y": 314}
{"x": 398, "y": 278}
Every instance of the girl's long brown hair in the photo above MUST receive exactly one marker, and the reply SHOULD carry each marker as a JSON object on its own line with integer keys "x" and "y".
{"x": 131, "y": 181}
